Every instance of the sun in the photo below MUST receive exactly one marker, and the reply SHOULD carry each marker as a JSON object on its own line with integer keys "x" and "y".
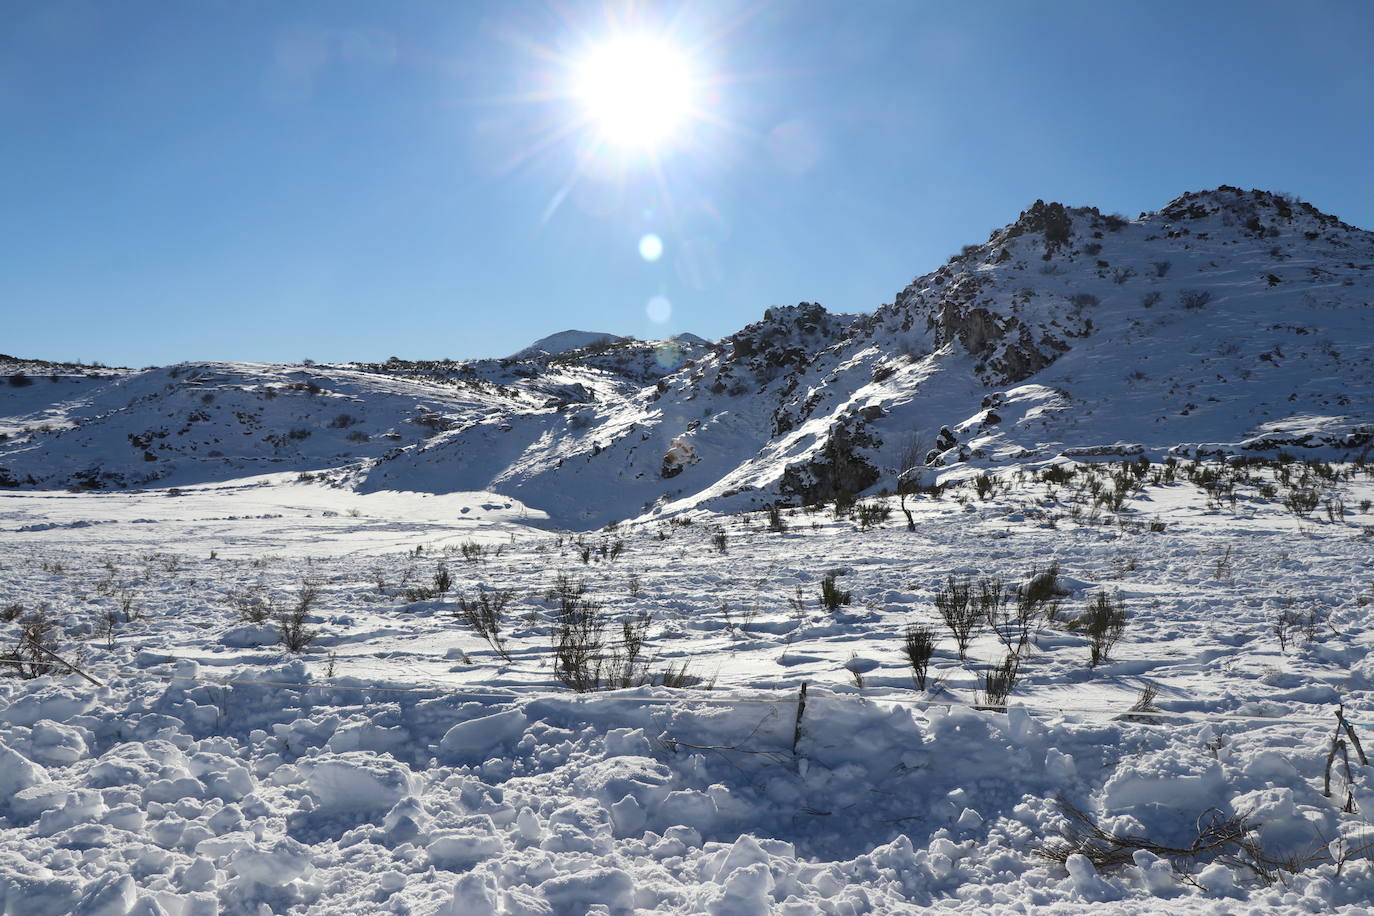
{"x": 636, "y": 91}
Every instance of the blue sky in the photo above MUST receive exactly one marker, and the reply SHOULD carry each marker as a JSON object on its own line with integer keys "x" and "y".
{"x": 338, "y": 181}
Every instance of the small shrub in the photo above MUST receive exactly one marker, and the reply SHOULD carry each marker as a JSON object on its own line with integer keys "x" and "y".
{"x": 1218, "y": 836}
{"x": 778, "y": 525}
{"x": 999, "y": 681}
{"x": 719, "y": 540}
{"x": 1162, "y": 268}
{"x": 1104, "y": 623}
{"x": 472, "y": 551}
{"x": 1151, "y": 299}
{"x": 832, "y": 596}
{"x": 251, "y": 607}
{"x": 107, "y": 627}
{"x": 1301, "y": 501}
{"x": 1059, "y": 474}
{"x": 624, "y": 666}
{"x": 1017, "y": 615}
{"x": 418, "y": 593}
{"x": 1083, "y": 300}
{"x": 293, "y": 632}
{"x": 577, "y": 643}
{"x": 871, "y": 514}
{"x": 127, "y": 608}
{"x": 27, "y": 659}
{"x": 1193, "y": 299}
{"x": 483, "y": 613}
{"x": 1288, "y": 620}
{"x": 20, "y": 380}
{"x": 442, "y": 581}
{"x": 919, "y": 647}
{"x": 954, "y": 601}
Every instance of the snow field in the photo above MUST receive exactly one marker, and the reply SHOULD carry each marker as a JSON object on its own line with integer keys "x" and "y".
{"x": 400, "y": 765}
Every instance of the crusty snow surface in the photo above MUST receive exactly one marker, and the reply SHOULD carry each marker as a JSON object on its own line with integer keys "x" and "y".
{"x": 398, "y": 765}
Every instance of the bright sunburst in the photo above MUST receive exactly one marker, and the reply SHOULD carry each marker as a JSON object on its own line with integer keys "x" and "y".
{"x": 636, "y": 90}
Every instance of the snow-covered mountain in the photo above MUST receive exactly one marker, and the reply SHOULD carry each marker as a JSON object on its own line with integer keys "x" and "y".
{"x": 564, "y": 341}
{"x": 1227, "y": 322}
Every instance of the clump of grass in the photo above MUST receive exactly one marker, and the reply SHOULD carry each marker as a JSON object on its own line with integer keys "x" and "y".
{"x": 832, "y": 596}
{"x": 1144, "y": 704}
{"x": 680, "y": 678}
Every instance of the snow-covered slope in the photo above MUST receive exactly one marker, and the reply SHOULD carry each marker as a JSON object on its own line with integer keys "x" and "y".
{"x": 1229, "y": 321}
{"x": 563, "y": 341}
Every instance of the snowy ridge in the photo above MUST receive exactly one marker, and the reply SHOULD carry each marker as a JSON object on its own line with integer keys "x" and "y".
{"x": 564, "y": 341}
{"x": 1228, "y": 322}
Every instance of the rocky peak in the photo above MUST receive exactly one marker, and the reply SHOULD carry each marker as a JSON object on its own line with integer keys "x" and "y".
{"x": 1258, "y": 212}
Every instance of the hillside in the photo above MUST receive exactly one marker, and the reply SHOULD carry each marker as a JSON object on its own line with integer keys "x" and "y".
{"x": 1227, "y": 322}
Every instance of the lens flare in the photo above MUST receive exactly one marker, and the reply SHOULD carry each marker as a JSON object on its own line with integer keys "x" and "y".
{"x": 669, "y": 356}
{"x": 650, "y": 247}
{"x": 659, "y": 310}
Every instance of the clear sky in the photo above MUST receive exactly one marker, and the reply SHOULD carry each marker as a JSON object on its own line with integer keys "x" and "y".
{"x": 197, "y": 179}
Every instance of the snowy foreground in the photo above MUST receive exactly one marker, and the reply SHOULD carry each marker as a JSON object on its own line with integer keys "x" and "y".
{"x": 400, "y": 765}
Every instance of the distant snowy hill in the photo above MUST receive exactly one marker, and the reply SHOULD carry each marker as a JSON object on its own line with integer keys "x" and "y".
{"x": 564, "y": 341}
{"x": 1228, "y": 322}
